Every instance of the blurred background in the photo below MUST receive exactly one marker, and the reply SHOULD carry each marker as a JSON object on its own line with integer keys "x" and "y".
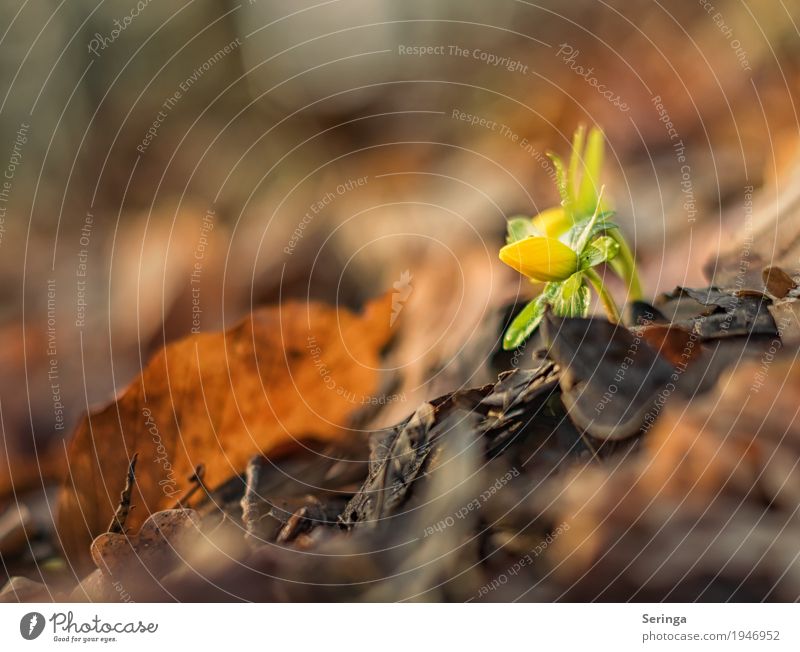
{"x": 169, "y": 166}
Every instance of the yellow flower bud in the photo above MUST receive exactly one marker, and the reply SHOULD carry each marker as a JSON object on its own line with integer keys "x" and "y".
{"x": 553, "y": 222}
{"x": 541, "y": 259}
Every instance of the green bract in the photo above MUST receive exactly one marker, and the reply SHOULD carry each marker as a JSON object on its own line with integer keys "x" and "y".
{"x": 562, "y": 245}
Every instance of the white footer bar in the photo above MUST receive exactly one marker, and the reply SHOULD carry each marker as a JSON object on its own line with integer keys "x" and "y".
{"x": 399, "y": 627}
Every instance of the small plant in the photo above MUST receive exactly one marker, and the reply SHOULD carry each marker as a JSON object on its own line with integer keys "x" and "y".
{"x": 563, "y": 245}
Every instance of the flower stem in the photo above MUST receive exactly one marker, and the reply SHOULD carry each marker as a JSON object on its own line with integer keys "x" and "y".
{"x": 627, "y": 265}
{"x": 605, "y": 296}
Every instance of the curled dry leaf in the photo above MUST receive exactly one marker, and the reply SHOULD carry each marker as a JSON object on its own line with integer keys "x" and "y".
{"x": 128, "y": 564}
{"x": 287, "y": 373}
{"x": 777, "y": 282}
{"x": 154, "y": 546}
{"x": 611, "y": 377}
{"x": 671, "y": 342}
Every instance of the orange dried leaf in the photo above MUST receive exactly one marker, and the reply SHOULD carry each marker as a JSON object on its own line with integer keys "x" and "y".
{"x": 287, "y": 373}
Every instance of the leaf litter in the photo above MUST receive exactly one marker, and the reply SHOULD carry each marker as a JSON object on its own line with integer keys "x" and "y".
{"x": 542, "y": 485}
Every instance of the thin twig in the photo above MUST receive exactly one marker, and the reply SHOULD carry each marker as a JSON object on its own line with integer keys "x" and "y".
{"x": 124, "y": 507}
{"x": 196, "y": 480}
{"x": 251, "y": 501}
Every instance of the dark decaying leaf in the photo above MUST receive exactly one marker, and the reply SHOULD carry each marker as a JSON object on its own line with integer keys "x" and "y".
{"x": 617, "y": 380}
{"x": 730, "y": 313}
{"x": 312, "y": 513}
{"x": 427, "y": 561}
{"x": 641, "y": 313}
{"x": 610, "y": 378}
{"x": 319, "y": 480}
{"x": 518, "y": 411}
{"x": 395, "y": 461}
{"x": 673, "y": 343}
{"x": 707, "y": 511}
{"x": 516, "y": 403}
{"x": 368, "y": 563}
{"x": 710, "y": 296}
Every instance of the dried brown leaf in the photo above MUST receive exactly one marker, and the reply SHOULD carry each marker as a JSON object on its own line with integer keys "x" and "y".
{"x": 287, "y": 373}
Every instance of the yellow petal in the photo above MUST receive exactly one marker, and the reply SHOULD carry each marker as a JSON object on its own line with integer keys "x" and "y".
{"x": 542, "y": 259}
{"x": 553, "y": 222}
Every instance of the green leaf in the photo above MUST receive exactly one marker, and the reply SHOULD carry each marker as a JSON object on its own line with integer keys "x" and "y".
{"x": 625, "y": 266}
{"x": 519, "y": 228}
{"x": 602, "y": 250}
{"x": 561, "y": 180}
{"x": 524, "y": 323}
{"x": 574, "y": 162}
{"x": 586, "y": 235}
{"x": 592, "y": 164}
{"x": 590, "y": 229}
{"x": 572, "y": 298}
